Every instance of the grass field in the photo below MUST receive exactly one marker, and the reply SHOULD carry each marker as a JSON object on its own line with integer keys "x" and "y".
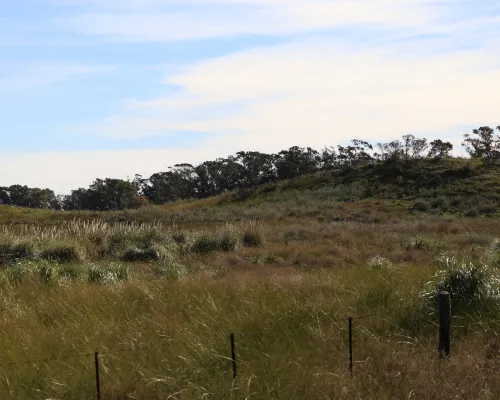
{"x": 159, "y": 299}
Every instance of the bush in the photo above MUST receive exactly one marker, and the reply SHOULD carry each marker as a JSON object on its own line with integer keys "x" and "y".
{"x": 472, "y": 212}
{"x": 179, "y": 238}
{"x": 48, "y": 272}
{"x": 440, "y": 202}
{"x": 11, "y": 251}
{"x": 455, "y": 202}
{"x": 470, "y": 286}
{"x": 271, "y": 258}
{"x": 140, "y": 255}
{"x": 20, "y": 271}
{"x": 70, "y": 271}
{"x": 420, "y": 243}
{"x": 421, "y": 205}
{"x": 107, "y": 274}
{"x": 487, "y": 209}
{"x": 227, "y": 241}
{"x": 204, "y": 244}
{"x": 62, "y": 254}
{"x": 170, "y": 269}
{"x": 251, "y": 238}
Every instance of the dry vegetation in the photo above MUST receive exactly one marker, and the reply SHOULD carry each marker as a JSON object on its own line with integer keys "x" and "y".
{"x": 284, "y": 273}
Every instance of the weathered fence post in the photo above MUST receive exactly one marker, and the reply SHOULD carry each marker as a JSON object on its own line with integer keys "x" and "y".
{"x": 350, "y": 346}
{"x": 444, "y": 323}
{"x": 233, "y": 355}
{"x": 97, "y": 380}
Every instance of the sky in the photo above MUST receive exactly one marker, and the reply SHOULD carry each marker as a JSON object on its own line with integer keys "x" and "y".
{"x": 110, "y": 88}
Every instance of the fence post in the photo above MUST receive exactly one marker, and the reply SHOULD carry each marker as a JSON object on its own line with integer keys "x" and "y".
{"x": 350, "y": 346}
{"x": 444, "y": 323}
{"x": 233, "y": 355}
{"x": 97, "y": 380}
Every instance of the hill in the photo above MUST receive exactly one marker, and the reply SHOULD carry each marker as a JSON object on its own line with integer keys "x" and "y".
{"x": 444, "y": 186}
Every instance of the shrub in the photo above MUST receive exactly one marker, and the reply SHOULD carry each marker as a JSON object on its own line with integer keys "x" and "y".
{"x": 455, "y": 202}
{"x": 487, "y": 209}
{"x": 419, "y": 243}
{"x": 440, "y": 202}
{"x": 470, "y": 286}
{"x": 421, "y": 205}
{"x": 70, "y": 271}
{"x": 170, "y": 269}
{"x": 11, "y": 251}
{"x": 179, "y": 238}
{"x": 227, "y": 241}
{"x": 20, "y": 271}
{"x": 107, "y": 274}
{"x": 472, "y": 212}
{"x": 204, "y": 244}
{"x": 252, "y": 239}
{"x": 48, "y": 272}
{"x": 138, "y": 255}
{"x": 62, "y": 254}
{"x": 5, "y": 252}
{"x": 271, "y": 258}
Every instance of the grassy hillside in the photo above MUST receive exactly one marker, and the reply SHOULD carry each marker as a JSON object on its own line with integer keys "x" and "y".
{"x": 158, "y": 290}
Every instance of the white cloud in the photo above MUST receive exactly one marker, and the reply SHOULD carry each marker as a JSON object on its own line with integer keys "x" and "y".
{"x": 316, "y": 94}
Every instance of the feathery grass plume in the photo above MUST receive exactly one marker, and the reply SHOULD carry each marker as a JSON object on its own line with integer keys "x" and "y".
{"x": 379, "y": 262}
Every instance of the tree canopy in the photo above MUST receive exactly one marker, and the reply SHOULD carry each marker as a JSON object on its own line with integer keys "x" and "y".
{"x": 246, "y": 170}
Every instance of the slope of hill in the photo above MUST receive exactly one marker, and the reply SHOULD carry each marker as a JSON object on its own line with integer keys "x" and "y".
{"x": 447, "y": 186}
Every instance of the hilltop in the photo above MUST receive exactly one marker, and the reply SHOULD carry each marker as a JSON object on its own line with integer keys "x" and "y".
{"x": 458, "y": 186}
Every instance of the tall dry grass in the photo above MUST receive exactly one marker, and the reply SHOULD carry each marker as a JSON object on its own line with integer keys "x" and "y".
{"x": 285, "y": 286}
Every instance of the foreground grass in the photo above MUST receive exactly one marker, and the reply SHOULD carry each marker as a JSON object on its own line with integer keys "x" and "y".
{"x": 162, "y": 338}
{"x": 159, "y": 299}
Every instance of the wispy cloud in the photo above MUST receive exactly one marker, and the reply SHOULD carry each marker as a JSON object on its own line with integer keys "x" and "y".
{"x": 188, "y": 20}
{"x": 17, "y": 77}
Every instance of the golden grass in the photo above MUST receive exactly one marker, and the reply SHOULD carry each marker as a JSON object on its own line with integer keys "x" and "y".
{"x": 165, "y": 334}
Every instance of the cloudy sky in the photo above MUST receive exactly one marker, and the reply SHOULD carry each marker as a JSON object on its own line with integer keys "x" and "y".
{"x": 110, "y": 88}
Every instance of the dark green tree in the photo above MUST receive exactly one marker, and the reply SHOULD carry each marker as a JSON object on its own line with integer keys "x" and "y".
{"x": 483, "y": 143}
{"x": 439, "y": 149}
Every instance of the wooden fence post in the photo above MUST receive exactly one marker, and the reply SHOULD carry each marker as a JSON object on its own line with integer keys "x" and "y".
{"x": 233, "y": 355}
{"x": 97, "y": 379}
{"x": 444, "y": 323}
{"x": 350, "y": 346}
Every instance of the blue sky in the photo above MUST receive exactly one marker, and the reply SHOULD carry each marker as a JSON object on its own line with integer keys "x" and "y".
{"x": 110, "y": 88}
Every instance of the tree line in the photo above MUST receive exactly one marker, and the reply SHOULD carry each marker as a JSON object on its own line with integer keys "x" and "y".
{"x": 245, "y": 170}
